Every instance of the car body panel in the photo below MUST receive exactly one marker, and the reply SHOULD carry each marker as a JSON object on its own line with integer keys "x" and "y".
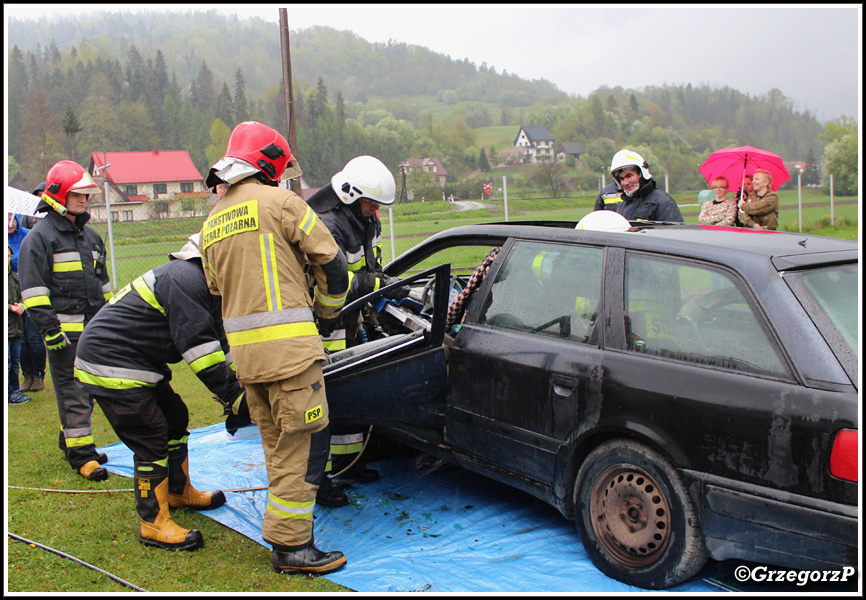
{"x": 525, "y": 409}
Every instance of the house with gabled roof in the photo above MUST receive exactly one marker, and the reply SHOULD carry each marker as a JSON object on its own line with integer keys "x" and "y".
{"x": 536, "y": 143}
{"x": 430, "y": 165}
{"x": 574, "y": 149}
{"x": 157, "y": 184}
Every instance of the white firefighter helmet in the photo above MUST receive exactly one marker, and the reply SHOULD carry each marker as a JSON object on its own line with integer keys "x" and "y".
{"x": 365, "y": 177}
{"x": 603, "y": 220}
{"x": 629, "y": 158}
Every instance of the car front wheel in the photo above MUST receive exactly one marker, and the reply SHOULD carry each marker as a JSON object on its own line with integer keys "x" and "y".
{"x": 635, "y": 517}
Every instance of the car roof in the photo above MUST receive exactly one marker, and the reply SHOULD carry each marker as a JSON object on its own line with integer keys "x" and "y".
{"x": 726, "y": 244}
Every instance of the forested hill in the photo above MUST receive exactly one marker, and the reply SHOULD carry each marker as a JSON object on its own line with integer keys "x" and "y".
{"x": 347, "y": 63}
{"x": 124, "y": 82}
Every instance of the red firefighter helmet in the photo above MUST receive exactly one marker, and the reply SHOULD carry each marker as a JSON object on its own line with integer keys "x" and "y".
{"x": 68, "y": 176}
{"x": 252, "y": 147}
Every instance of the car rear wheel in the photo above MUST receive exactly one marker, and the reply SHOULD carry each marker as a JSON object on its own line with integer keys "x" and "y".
{"x": 635, "y": 517}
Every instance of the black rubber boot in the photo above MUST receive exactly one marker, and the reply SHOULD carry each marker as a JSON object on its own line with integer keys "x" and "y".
{"x": 306, "y": 559}
{"x": 330, "y": 495}
{"x": 156, "y": 527}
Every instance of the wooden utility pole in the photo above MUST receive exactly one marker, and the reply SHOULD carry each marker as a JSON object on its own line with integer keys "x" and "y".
{"x": 295, "y": 184}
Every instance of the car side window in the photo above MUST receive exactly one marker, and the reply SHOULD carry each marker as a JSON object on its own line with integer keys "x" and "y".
{"x": 547, "y": 289}
{"x": 695, "y": 314}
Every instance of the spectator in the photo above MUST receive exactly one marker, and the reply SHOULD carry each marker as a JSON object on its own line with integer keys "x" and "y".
{"x": 14, "y": 395}
{"x": 261, "y": 246}
{"x": 641, "y": 200}
{"x": 761, "y": 211}
{"x": 721, "y": 210}
{"x": 33, "y": 356}
{"x": 745, "y": 190}
{"x": 64, "y": 283}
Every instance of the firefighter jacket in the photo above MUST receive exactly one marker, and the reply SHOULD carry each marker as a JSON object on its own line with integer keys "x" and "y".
{"x": 258, "y": 244}
{"x": 648, "y": 203}
{"x": 61, "y": 265}
{"x": 359, "y": 237}
{"x": 163, "y": 317}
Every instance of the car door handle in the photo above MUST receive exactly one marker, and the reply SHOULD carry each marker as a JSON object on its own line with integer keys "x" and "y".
{"x": 562, "y": 390}
{"x": 412, "y": 389}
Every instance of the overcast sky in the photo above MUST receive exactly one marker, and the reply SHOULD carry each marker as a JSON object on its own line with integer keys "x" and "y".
{"x": 812, "y": 53}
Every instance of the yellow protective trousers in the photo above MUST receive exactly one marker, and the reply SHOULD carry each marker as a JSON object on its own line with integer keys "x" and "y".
{"x": 292, "y": 416}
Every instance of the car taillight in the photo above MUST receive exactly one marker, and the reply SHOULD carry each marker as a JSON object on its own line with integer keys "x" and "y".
{"x": 843, "y": 456}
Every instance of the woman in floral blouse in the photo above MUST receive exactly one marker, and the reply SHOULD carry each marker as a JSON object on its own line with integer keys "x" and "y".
{"x": 720, "y": 210}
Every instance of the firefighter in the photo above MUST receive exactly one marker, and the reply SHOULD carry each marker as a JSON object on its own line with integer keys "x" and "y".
{"x": 64, "y": 283}
{"x": 640, "y": 198}
{"x": 348, "y": 206}
{"x": 261, "y": 244}
{"x": 175, "y": 317}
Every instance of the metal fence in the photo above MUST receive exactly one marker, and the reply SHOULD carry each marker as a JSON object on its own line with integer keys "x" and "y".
{"x": 135, "y": 247}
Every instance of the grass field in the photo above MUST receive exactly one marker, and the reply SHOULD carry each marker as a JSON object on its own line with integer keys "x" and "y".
{"x": 101, "y": 528}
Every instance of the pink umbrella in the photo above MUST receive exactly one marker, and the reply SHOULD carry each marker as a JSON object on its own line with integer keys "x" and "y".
{"x": 735, "y": 163}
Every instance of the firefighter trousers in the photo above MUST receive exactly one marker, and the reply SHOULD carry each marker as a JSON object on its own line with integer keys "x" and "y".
{"x": 74, "y": 407}
{"x": 292, "y": 416}
{"x": 147, "y": 423}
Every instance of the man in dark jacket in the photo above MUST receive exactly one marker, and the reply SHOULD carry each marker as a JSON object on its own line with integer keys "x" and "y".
{"x": 641, "y": 199}
{"x": 64, "y": 283}
{"x": 174, "y": 317}
{"x": 348, "y": 207}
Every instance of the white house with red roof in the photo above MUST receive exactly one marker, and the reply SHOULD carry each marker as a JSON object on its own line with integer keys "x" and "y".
{"x": 156, "y": 184}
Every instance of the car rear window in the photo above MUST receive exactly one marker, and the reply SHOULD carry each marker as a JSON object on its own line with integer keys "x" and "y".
{"x": 696, "y": 313}
{"x": 830, "y": 296}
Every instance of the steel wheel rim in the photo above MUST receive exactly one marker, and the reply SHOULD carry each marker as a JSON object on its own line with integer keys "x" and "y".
{"x": 630, "y": 515}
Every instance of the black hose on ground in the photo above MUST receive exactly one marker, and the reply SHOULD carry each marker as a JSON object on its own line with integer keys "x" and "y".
{"x": 79, "y": 561}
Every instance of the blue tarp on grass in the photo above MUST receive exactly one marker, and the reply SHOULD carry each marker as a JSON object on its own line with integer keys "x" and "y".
{"x": 426, "y": 526}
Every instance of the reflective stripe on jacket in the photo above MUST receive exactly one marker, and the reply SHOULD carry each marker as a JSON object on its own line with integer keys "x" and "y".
{"x": 61, "y": 265}
{"x": 165, "y": 316}
{"x": 259, "y": 242}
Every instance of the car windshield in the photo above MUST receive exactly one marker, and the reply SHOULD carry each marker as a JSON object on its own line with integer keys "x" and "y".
{"x": 830, "y": 296}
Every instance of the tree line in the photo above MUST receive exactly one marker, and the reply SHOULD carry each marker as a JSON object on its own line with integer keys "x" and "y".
{"x": 114, "y": 85}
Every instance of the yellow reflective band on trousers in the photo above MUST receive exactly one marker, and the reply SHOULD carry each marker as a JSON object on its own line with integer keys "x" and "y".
{"x": 290, "y": 510}
{"x": 269, "y": 272}
{"x": 334, "y": 345}
{"x": 347, "y": 444}
{"x": 77, "y": 442}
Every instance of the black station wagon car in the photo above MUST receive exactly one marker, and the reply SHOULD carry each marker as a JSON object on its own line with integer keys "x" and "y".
{"x": 680, "y": 392}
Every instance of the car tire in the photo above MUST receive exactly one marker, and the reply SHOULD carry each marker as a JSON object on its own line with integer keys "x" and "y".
{"x": 636, "y": 518}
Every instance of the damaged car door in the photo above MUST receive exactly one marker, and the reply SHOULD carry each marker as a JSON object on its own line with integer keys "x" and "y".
{"x": 399, "y": 380}
{"x": 526, "y": 365}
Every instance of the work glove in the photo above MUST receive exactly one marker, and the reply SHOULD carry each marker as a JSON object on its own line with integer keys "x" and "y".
{"x": 56, "y": 342}
{"x": 236, "y": 412}
{"x": 397, "y": 293}
{"x": 326, "y": 326}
